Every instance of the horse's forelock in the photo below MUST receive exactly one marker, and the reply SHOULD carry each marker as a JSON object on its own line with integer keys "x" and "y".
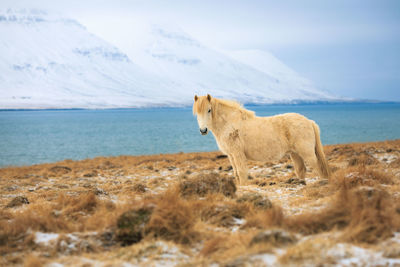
{"x": 200, "y": 105}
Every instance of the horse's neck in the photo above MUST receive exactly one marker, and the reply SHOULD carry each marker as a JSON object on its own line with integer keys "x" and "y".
{"x": 224, "y": 121}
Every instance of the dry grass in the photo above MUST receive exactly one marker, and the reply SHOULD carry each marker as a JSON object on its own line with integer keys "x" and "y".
{"x": 208, "y": 183}
{"x": 309, "y": 252}
{"x": 32, "y": 261}
{"x": 189, "y": 200}
{"x": 173, "y": 219}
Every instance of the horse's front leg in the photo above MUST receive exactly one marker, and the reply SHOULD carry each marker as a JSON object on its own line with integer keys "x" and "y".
{"x": 241, "y": 167}
{"x": 235, "y": 174}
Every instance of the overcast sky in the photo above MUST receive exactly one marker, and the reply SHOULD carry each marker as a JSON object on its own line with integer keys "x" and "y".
{"x": 350, "y": 48}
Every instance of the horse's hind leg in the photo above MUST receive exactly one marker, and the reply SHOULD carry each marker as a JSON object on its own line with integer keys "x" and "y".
{"x": 299, "y": 165}
{"x": 311, "y": 159}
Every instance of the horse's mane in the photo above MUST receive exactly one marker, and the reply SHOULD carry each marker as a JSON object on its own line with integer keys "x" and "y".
{"x": 201, "y": 104}
{"x": 235, "y": 105}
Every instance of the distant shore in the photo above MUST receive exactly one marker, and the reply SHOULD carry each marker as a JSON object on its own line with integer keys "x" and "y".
{"x": 292, "y": 103}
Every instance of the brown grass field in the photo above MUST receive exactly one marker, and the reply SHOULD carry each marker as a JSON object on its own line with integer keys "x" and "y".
{"x": 185, "y": 210}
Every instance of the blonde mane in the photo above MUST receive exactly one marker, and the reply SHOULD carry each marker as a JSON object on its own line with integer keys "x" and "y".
{"x": 201, "y": 104}
{"x": 235, "y": 105}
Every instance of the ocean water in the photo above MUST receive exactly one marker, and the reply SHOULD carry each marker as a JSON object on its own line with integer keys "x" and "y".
{"x": 31, "y": 137}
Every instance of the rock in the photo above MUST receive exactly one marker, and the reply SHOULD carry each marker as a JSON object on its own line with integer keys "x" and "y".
{"x": 10, "y": 188}
{"x": 229, "y": 168}
{"x": 296, "y": 181}
{"x": 87, "y": 185}
{"x": 99, "y": 191}
{"x": 91, "y": 174}
{"x": 289, "y": 166}
{"x": 275, "y": 237}
{"x": 258, "y": 200}
{"x": 363, "y": 159}
{"x": 62, "y": 186}
{"x": 221, "y": 156}
{"x": 107, "y": 238}
{"x": 17, "y": 201}
{"x": 139, "y": 188}
{"x": 60, "y": 169}
{"x": 323, "y": 182}
{"x": 241, "y": 262}
{"x": 131, "y": 224}
{"x": 222, "y": 215}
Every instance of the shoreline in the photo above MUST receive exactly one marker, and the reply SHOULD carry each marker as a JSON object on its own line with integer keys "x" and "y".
{"x": 169, "y": 155}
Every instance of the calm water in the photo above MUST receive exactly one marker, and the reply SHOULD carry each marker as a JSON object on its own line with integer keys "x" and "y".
{"x": 29, "y": 137}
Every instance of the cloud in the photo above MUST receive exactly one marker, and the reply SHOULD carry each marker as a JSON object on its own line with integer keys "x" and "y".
{"x": 243, "y": 23}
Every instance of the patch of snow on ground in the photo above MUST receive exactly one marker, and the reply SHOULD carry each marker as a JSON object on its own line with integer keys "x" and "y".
{"x": 168, "y": 256}
{"x": 45, "y": 238}
{"x": 349, "y": 255}
{"x": 237, "y": 222}
{"x": 385, "y": 157}
{"x": 268, "y": 259}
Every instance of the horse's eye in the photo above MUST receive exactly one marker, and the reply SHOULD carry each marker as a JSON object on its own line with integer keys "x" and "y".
{"x": 209, "y": 111}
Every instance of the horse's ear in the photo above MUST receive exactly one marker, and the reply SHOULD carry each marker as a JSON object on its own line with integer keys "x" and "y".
{"x": 196, "y": 97}
{"x": 208, "y": 97}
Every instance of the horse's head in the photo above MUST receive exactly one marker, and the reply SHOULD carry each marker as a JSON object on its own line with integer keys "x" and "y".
{"x": 202, "y": 107}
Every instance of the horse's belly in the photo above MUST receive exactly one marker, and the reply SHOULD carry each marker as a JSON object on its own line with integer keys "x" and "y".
{"x": 267, "y": 151}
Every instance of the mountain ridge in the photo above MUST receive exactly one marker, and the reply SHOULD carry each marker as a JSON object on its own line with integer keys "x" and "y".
{"x": 50, "y": 61}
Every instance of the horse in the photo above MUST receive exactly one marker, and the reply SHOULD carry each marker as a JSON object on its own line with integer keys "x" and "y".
{"x": 242, "y": 135}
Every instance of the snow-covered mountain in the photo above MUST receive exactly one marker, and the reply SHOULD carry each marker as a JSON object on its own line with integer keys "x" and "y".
{"x": 49, "y": 61}
{"x": 173, "y": 54}
{"x": 270, "y": 65}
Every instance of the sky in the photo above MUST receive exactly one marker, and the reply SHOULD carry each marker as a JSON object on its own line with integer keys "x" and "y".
{"x": 349, "y": 48}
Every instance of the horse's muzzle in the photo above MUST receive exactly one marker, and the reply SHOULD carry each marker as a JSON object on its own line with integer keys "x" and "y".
{"x": 204, "y": 132}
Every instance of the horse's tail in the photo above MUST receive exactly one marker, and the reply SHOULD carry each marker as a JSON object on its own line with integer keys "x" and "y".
{"x": 324, "y": 170}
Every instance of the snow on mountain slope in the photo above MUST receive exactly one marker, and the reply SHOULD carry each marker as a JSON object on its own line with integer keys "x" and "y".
{"x": 48, "y": 61}
{"x": 173, "y": 54}
{"x": 269, "y": 64}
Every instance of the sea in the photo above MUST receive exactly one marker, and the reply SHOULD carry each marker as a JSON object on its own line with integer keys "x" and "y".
{"x": 37, "y": 136}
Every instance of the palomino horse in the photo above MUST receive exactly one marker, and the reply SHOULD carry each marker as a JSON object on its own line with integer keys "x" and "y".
{"x": 242, "y": 135}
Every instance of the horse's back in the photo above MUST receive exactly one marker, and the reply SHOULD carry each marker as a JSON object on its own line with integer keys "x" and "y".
{"x": 269, "y": 138}
{"x": 290, "y": 129}
{"x": 289, "y": 117}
